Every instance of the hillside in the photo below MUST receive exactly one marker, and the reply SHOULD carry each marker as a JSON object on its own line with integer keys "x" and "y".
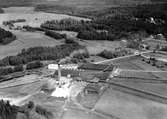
{"x": 76, "y": 3}
{"x": 8, "y": 3}
{"x": 92, "y": 4}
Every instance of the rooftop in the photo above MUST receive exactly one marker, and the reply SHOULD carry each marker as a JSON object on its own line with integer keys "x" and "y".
{"x": 99, "y": 67}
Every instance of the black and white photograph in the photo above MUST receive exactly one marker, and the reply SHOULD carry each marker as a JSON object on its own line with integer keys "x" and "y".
{"x": 83, "y": 59}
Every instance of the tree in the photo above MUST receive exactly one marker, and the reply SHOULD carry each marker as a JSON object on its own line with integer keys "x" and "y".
{"x": 18, "y": 68}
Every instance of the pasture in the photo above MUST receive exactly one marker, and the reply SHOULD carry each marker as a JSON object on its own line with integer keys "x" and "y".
{"x": 28, "y": 84}
{"x": 159, "y": 89}
{"x": 135, "y": 63}
{"x": 26, "y": 40}
{"x": 97, "y": 46}
{"x": 126, "y": 106}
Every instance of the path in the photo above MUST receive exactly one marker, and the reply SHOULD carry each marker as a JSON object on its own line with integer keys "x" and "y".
{"x": 109, "y": 60}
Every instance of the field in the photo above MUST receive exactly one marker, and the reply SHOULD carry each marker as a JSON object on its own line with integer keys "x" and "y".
{"x": 138, "y": 75}
{"x": 125, "y": 106}
{"x": 134, "y": 63}
{"x": 84, "y": 5}
{"x": 29, "y": 39}
{"x": 95, "y": 47}
{"x": 26, "y": 40}
{"x": 79, "y": 114}
{"x": 159, "y": 55}
{"x": 154, "y": 88}
{"x": 24, "y": 85}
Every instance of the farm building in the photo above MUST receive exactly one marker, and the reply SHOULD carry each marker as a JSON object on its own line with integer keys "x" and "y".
{"x": 65, "y": 66}
{"x": 96, "y": 67}
{"x": 88, "y": 72}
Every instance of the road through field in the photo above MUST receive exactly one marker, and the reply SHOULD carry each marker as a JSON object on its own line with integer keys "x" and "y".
{"x": 128, "y": 56}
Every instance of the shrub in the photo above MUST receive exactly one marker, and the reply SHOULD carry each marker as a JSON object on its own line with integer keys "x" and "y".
{"x": 5, "y": 71}
{"x": 70, "y": 41}
{"x": 55, "y": 35}
{"x": 18, "y": 68}
{"x": 6, "y": 36}
{"x": 107, "y": 54}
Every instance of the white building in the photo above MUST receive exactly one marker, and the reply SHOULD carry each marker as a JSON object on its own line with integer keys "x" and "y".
{"x": 65, "y": 66}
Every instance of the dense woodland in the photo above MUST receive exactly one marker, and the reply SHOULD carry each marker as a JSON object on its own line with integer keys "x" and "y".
{"x": 6, "y": 37}
{"x": 150, "y": 19}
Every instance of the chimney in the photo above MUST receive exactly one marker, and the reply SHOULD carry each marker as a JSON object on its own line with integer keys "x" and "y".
{"x": 59, "y": 71}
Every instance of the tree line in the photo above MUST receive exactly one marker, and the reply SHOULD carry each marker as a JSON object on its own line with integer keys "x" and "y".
{"x": 20, "y": 68}
{"x": 40, "y": 53}
{"x": 54, "y": 34}
{"x": 6, "y": 36}
{"x": 110, "y": 55}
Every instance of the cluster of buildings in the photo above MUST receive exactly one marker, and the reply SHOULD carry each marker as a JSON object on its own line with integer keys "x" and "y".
{"x": 91, "y": 73}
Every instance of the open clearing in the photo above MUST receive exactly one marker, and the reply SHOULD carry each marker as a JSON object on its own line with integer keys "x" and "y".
{"x": 134, "y": 63}
{"x": 159, "y": 89}
{"x": 125, "y": 106}
{"x": 32, "y": 18}
{"x": 26, "y": 40}
{"x": 97, "y": 46}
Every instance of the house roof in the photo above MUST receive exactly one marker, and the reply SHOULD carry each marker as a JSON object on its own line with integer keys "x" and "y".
{"x": 65, "y": 72}
{"x": 99, "y": 67}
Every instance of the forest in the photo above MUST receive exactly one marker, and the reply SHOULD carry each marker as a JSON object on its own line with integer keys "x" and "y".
{"x": 6, "y": 37}
{"x": 150, "y": 19}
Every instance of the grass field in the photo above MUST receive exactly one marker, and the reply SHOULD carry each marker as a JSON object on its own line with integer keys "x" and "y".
{"x": 138, "y": 75}
{"x": 79, "y": 114}
{"x": 125, "y": 106}
{"x": 26, "y": 40}
{"x": 154, "y": 88}
{"x": 135, "y": 63}
{"x": 97, "y": 46}
{"x": 25, "y": 85}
